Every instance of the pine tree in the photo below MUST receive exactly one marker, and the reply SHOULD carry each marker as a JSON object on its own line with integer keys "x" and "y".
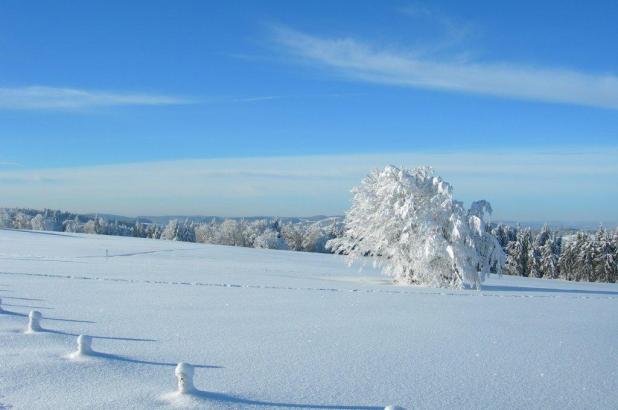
{"x": 586, "y": 259}
{"x": 572, "y": 259}
{"x": 535, "y": 261}
{"x": 550, "y": 253}
{"x": 518, "y": 253}
{"x": 606, "y": 267}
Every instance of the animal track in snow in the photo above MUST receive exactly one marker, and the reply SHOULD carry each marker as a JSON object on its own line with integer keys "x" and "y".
{"x": 593, "y": 294}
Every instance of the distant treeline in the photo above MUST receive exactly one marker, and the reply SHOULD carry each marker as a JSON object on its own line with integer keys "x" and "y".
{"x": 544, "y": 253}
{"x": 270, "y": 233}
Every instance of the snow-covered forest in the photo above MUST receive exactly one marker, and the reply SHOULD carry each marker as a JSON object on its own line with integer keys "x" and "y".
{"x": 271, "y": 233}
{"x": 545, "y": 253}
{"x": 580, "y": 256}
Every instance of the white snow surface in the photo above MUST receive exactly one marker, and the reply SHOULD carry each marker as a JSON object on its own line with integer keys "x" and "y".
{"x": 272, "y": 329}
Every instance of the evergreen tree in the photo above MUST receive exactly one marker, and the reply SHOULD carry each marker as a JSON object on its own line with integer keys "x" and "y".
{"x": 518, "y": 254}
{"x": 550, "y": 253}
{"x": 606, "y": 266}
{"x": 570, "y": 262}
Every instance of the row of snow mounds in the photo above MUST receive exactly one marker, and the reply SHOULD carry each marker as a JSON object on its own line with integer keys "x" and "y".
{"x": 186, "y": 394}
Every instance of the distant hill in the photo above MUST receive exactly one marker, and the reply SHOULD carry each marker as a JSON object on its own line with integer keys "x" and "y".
{"x": 162, "y": 220}
{"x": 119, "y": 218}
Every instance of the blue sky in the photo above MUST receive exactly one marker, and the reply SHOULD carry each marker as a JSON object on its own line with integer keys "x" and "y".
{"x": 91, "y": 84}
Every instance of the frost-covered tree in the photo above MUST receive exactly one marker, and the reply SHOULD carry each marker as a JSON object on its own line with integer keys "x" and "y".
{"x": 585, "y": 260}
{"x": 229, "y": 233}
{"x": 570, "y": 262}
{"x": 535, "y": 256}
{"x": 590, "y": 258}
{"x": 96, "y": 226}
{"x": 5, "y": 218}
{"x": 153, "y": 231}
{"x": 206, "y": 232}
{"x": 37, "y": 223}
{"x": 90, "y": 227}
{"x": 409, "y": 223}
{"x": 504, "y": 234}
{"x": 535, "y": 261}
{"x": 139, "y": 229}
{"x": 293, "y": 234}
{"x": 21, "y": 220}
{"x": 606, "y": 264}
{"x": 179, "y": 231}
{"x": 170, "y": 232}
{"x": 492, "y": 256}
{"x": 550, "y": 253}
{"x": 270, "y": 239}
{"x": 186, "y": 232}
{"x": 73, "y": 225}
{"x": 518, "y": 254}
{"x": 316, "y": 238}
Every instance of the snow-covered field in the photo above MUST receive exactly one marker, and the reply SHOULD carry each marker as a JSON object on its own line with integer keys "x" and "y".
{"x": 276, "y": 329}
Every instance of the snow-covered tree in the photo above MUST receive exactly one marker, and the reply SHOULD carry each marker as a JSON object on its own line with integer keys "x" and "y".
{"x": 606, "y": 265}
{"x": 97, "y": 226}
{"x": 586, "y": 258}
{"x": 535, "y": 261}
{"x": 504, "y": 234}
{"x": 21, "y": 220}
{"x": 293, "y": 234}
{"x": 491, "y": 254}
{"x": 206, "y": 232}
{"x": 170, "y": 231}
{"x": 550, "y": 253}
{"x": 316, "y": 237}
{"x": 37, "y": 223}
{"x": 179, "y": 231}
{"x": 270, "y": 239}
{"x": 5, "y": 218}
{"x": 153, "y": 231}
{"x": 570, "y": 262}
{"x": 409, "y": 223}
{"x": 73, "y": 225}
{"x": 518, "y": 252}
{"x": 139, "y": 229}
{"x": 229, "y": 234}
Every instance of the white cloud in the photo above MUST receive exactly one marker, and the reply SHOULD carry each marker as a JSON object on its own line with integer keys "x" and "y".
{"x": 57, "y": 98}
{"x": 453, "y": 31}
{"x": 9, "y": 164}
{"x": 363, "y": 62}
{"x": 259, "y": 98}
{"x": 529, "y": 185}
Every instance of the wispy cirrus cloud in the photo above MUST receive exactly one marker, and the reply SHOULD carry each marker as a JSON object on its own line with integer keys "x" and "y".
{"x": 258, "y": 98}
{"x": 451, "y": 32}
{"x": 9, "y": 164}
{"x": 59, "y": 98}
{"x": 27, "y": 179}
{"x": 413, "y": 68}
{"x": 294, "y": 97}
{"x": 55, "y": 98}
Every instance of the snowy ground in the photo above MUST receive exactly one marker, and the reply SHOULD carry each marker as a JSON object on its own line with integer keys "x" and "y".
{"x": 276, "y": 329}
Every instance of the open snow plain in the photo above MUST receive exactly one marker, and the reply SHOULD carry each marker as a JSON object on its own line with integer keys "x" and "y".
{"x": 276, "y": 329}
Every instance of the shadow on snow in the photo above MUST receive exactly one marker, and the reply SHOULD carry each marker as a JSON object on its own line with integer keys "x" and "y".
{"x": 500, "y": 288}
{"x": 110, "y": 356}
{"x": 240, "y": 401}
